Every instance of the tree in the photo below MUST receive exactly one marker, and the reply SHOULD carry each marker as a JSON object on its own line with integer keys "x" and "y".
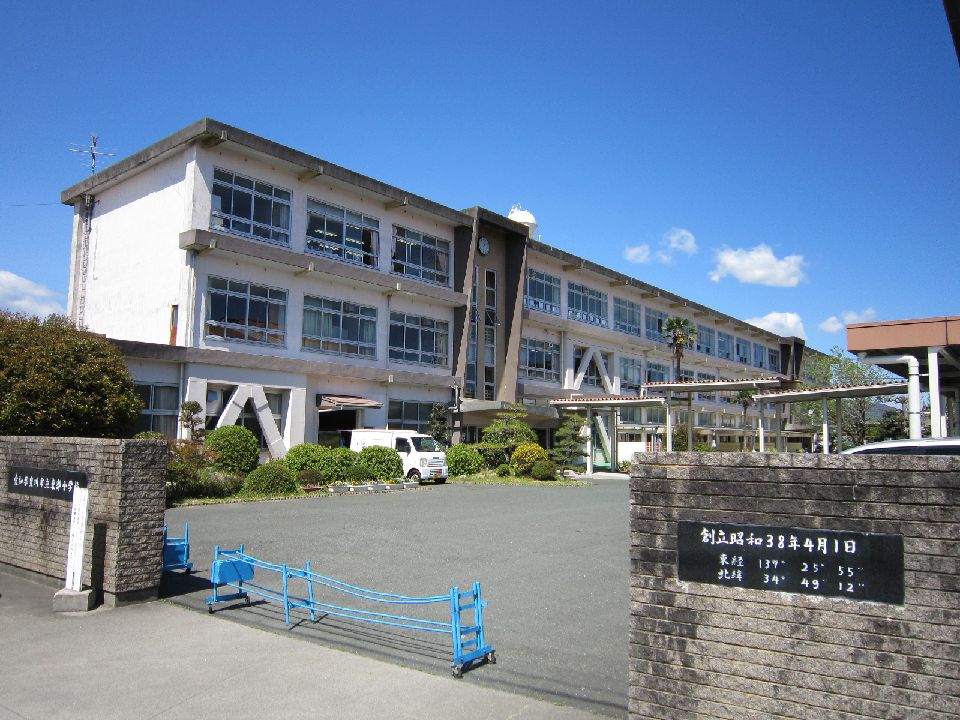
{"x": 56, "y": 380}
{"x": 437, "y": 426}
{"x": 193, "y": 420}
{"x": 509, "y": 428}
{"x": 835, "y": 370}
{"x": 680, "y": 334}
{"x": 892, "y": 426}
{"x": 567, "y": 444}
{"x": 745, "y": 399}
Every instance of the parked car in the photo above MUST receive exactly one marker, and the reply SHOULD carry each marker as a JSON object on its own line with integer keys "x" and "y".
{"x": 920, "y": 446}
{"x": 422, "y": 456}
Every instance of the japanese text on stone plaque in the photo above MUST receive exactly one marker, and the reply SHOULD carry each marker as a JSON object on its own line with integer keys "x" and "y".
{"x": 42, "y": 482}
{"x": 857, "y": 566}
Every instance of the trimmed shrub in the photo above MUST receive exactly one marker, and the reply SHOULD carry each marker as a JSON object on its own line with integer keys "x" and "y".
{"x": 185, "y": 461}
{"x": 361, "y": 474}
{"x": 336, "y": 462}
{"x": 464, "y": 460}
{"x": 310, "y": 477}
{"x": 213, "y": 483}
{"x": 307, "y": 457}
{"x": 493, "y": 455}
{"x": 543, "y": 470}
{"x": 237, "y": 448}
{"x": 149, "y": 435}
{"x": 272, "y": 478}
{"x": 384, "y": 463}
{"x": 503, "y": 470}
{"x": 524, "y": 457}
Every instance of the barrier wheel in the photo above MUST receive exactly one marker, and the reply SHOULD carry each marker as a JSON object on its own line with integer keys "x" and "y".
{"x": 492, "y": 658}
{"x": 247, "y": 599}
{"x": 187, "y": 571}
{"x": 210, "y": 609}
{"x": 458, "y": 671}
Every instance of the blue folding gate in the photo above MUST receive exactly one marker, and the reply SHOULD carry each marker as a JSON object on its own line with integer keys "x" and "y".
{"x": 235, "y": 569}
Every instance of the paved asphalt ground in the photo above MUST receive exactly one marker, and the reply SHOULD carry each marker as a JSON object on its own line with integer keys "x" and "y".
{"x": 553, "y": 563}
{"x": 164, "y": 662}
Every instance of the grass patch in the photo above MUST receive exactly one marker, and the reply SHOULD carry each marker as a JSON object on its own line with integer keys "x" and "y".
{"x": 490, "y": 477}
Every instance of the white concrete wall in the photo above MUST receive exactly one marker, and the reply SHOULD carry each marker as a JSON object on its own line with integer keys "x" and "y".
{"x": 135, "y": 264}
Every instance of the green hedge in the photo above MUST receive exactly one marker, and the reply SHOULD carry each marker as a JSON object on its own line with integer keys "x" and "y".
{"x": 306, "y": 457}
{"x": 237, "y": 448}
{"x": 464, "y": 460}
{"x": 543, "y": 470}
{"x": 384, "y": 463}
{"x": 272, "y": 478}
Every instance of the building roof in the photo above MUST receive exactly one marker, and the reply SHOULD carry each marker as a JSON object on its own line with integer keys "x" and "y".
{"x": 884, "y": 343}
{"x": 833, "y": 392}
{"x": 209, "y": 133}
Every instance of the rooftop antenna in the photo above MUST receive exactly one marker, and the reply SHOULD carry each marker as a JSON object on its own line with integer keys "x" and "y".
{"x": 93, "y": 152}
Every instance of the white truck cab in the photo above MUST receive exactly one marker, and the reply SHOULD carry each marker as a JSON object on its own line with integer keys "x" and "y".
{"x": 422, "y": 456}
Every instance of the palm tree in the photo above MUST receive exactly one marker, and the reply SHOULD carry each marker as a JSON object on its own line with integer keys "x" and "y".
{"x": 680, "y": 333}
{"x": 745, "y": 399}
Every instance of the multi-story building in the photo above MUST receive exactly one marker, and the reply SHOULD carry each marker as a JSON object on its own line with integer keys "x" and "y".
{"x": 300, "y": 298}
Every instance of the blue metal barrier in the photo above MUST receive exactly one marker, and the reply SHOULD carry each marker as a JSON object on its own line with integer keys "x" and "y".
{"x": 235, "y": 569}
{"x": 176, "y": 551}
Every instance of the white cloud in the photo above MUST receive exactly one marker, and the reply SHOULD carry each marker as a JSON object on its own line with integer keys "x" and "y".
{"x": 681, "y": 239}
{"x": 781, "y": 323}
{"x": 18, "y": 294}
{"x": 637, "y": 254}
{"x": 758, "y": 266}
{"x": 834, "y": 324}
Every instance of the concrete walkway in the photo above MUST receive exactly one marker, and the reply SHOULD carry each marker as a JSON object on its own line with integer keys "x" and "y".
{"x": 157, "y": 660}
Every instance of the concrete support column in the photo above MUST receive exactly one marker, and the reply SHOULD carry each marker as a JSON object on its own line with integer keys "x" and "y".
{"x": 933, "y": 382}
{"x": 590, "y": 442}
{"x": 779, "y": 408}
{"x": 839, "y": 441}
{"x": 669, "y": 424}
{"x": 825, "y": 443}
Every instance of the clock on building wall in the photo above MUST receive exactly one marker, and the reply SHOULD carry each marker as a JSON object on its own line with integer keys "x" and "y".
{"x": 483, "y": 245}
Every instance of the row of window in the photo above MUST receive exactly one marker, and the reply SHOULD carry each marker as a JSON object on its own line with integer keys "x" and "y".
{"x": 588, "y": 305}
{"x": 540, "y": 360}
{"x": 256, "y": 209}
{"x": 248, "y": 312}
{"x": 161, "y": 405}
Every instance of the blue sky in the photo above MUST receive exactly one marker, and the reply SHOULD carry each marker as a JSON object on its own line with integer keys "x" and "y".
{"x": 792, "y": 164}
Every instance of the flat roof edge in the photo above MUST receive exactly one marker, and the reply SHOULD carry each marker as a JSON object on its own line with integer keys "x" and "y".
{"x": 208, "y": 128}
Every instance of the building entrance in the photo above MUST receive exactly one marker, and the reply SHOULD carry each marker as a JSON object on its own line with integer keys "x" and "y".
{"x": 329, "y": 425}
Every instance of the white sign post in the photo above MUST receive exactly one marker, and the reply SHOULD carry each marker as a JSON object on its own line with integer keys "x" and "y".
{"x": 78, "y": 533}
{"x": 73, "y": 597}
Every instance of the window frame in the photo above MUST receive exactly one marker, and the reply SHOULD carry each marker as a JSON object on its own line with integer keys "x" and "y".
{"x": 545, "y": 283}
{"x": 658, "y": 318}
{"x": 326, "y": 343}
{"x": 275, "y": 234}
{"x": 417, "y": 356}
{"x": 423, "y": 421}
{"x": 622, "y": 306}
{"x": 150, "y": 412}
{"x": 418, "y": 270}
{"x": 545, "y": 348}
{"x": 279, "y": 332}
{"x": 587, "y": 305}
{"x": 342, "y": 250}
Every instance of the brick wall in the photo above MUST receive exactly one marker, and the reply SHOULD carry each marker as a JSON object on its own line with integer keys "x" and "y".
{"x": 699, "y": 650}
{"x": 124, "y": 537}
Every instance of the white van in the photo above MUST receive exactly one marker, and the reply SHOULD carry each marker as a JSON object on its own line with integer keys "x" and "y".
{"x": 422, "y": 456}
